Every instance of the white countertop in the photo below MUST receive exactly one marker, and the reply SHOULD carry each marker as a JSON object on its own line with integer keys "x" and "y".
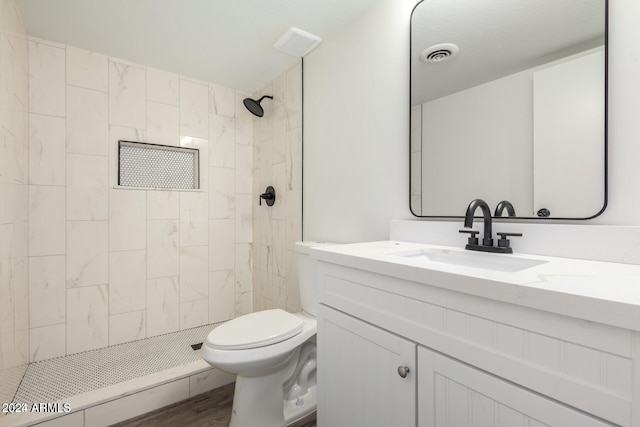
{"x": 603, "y": 292}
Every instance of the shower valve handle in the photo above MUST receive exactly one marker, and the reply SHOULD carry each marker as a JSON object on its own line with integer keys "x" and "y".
{"x": 269, "y": 196}
{"x": 266, "y": 196}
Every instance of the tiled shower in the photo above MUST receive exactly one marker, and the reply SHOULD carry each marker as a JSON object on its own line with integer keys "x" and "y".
{"x": 14, "y": 146}
{"x": 85, "y": 264}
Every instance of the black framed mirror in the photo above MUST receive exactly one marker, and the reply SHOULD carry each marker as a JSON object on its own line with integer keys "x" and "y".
{"x": 509, "y": 102}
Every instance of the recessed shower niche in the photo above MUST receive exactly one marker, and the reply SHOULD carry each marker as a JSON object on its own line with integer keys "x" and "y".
{"x": 146, "y": 165}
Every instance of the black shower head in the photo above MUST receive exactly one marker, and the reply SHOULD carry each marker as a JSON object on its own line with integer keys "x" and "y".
{"x": 254, "y": 106}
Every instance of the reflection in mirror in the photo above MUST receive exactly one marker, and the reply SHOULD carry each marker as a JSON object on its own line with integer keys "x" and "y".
{"x": 508, "y": 103}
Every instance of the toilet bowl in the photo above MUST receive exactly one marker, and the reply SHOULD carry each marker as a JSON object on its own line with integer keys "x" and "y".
{"x": 273, "y": 354}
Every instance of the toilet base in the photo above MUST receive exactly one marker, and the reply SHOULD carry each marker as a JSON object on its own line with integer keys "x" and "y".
{"x": 256, "y": 406}
{"x": 260, "y": 401}
{"x": 300, "y": 407}
{"x": 256, "y": 402}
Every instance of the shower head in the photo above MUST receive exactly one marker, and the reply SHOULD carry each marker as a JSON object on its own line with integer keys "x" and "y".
{"x": 254, "y": 106}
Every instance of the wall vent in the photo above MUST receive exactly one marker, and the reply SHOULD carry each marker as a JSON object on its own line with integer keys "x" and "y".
{"x": 297, "y": 42}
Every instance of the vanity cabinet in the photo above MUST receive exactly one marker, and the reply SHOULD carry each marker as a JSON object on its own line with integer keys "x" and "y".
{"x": 472, "y": 361}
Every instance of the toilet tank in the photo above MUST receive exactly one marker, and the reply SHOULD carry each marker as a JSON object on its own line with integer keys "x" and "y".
{"x": 307, "y": 268}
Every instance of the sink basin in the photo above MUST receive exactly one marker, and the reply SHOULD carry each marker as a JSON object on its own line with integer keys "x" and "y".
{"x": 485, "y": 261}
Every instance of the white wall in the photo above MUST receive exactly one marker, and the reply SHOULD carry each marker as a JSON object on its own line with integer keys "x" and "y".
{"x": 356, "y": 128}
{"x": 624, "y": 114}
{"x": 464, "y": 132}
{"x": 357, "y": 117}
{"x": 568, "y": 177}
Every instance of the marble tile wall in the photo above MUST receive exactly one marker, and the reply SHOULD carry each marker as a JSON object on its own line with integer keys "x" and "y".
{"x": 109, "y": 265}
{"x": 14, "y": 199}
{"x": 278, "y": 162}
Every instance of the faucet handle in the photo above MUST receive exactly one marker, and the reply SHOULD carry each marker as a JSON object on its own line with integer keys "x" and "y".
{"x": 473, "y": 239}
{"x": 503, "y": 242}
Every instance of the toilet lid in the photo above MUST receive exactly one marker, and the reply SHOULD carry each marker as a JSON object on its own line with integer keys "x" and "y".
{"x": 254, "y": 330}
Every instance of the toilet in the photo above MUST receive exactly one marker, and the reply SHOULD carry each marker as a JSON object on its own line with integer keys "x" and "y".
{"x": 273, "y": 354}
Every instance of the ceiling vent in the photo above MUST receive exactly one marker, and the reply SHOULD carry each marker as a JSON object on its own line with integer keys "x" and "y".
{"x": 297, "y": 42}
{"x": 439, "y": 53}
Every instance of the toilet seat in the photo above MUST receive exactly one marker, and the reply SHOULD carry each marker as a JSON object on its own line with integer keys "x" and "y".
{"x": 255, "y": 330}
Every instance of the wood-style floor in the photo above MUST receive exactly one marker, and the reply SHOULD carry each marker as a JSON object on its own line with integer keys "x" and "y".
{"x": 212, "y": 409}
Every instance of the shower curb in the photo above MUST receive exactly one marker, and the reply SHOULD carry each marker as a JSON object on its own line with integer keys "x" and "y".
{"x": 105, "y": 386}
{"x": 128, "y": 399}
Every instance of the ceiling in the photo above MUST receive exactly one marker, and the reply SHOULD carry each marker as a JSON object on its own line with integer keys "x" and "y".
{"x": 497, "y": 38}
{"x": 227, "y": 42}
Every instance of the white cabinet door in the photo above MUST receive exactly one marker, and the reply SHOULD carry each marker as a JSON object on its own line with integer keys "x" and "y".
{"x": 358, "y": 379}
{"x": 453, "y": 394}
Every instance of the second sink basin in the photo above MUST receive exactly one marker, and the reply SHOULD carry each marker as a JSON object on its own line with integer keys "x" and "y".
{"x": 486, "y": 261}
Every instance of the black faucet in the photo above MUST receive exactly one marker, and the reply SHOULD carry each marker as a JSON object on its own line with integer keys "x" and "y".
{"x": 487, "y": 241}
{"x": 505, "y": 204}
{"x": 486, "y": 213}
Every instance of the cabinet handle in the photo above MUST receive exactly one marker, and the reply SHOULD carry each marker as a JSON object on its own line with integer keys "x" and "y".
{"x": 403, "y": 371}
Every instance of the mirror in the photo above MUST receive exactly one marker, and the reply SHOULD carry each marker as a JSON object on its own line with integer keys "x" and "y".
{"x": 508, "y": 102}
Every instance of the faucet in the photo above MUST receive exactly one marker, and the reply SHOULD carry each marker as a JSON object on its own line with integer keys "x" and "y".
{"x": 486, "y": 213}
{"x": 505, "y": 204}
{"x": 487, "y": 241}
